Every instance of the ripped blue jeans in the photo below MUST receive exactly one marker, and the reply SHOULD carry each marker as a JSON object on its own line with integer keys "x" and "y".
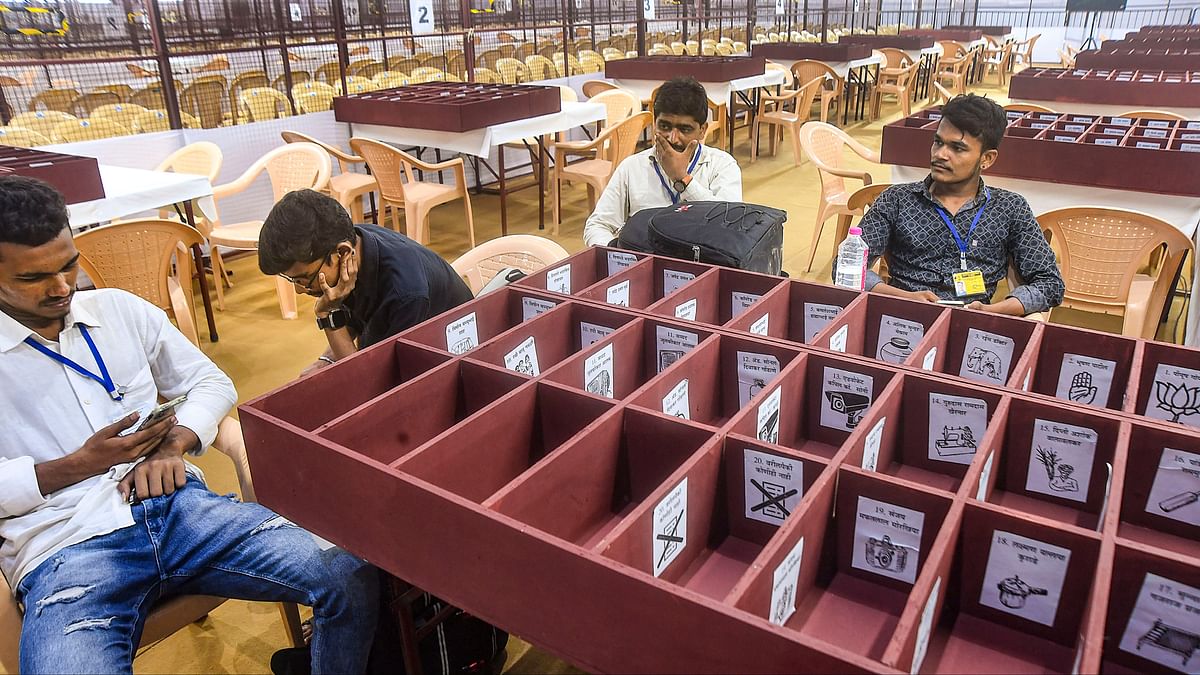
{"x": 85, "y": 606}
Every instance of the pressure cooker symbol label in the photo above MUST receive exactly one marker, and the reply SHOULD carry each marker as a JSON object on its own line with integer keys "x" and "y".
{"x": 1014, "y": 592}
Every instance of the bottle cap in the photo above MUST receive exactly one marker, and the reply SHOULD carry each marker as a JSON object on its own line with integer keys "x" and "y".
{"x": 856, "y": 230}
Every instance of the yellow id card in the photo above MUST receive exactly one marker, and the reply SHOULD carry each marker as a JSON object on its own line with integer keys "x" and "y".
{"x": 969, "y": 283}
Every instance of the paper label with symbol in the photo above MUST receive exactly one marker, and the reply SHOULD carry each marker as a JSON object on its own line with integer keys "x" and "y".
{"x": 845, "y": 397}
{"x": 673, "y": 280}
{"x": 598, "y": 372}
{"x": 870, "y": 459}
{"x": 783, "y": 585}
{"x": 686, "y": 310}
{"x": 956, "y": 427}
{"x": 774, "y": 486}
{"x": 925, "y": 628}
{"x": 780, "y": 7}
{"x": 531, "y": 307}
{"x": 618, "y": 261}
{"x": 558, "y": 279}
{"x": 1175, "y": 493}
{"x": 984, "y": 477}
{"x": 1060, "y": 460}
{"x": 1024, "y": 577}
{"x": 295, "y": 11}
{"x": 670, "y": 528}
{"x": 1175, "y": 395}
{"x": 930, "y": 359}
{"x": 675, "y": 403}
{"x": 987, "y": 357}
{"x": 816, "y": 317}
{"x": 768, "y": 417}
{"x": 1085, "y": 379}
{"x": 897, "y": 338}
{"x": 672, "y": 345}
{"x": 590, "y": 334}
{"x": 741, "y": 302}
{"x": 887, "y": 539}
{"x": 755, "y": 371}
{"x": 462, "y": 335}
{"x": 1163, "y": 626}
{"x": 837, "y": 341}
{"x": 618, "y": 294}
{"x": 524, "y": 359}
{"x": 760, "y": 326}
{"x": 421, "y": 16}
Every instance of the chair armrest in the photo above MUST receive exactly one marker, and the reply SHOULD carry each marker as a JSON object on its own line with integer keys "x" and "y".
{"x": 863, "y": 151}
{"x": 229, "y": 442}
{"x": 239, "y": 184}
{"x": 562, "y": 149}
{"x": 864, "y": 176}
{"x": 439, "y": 167}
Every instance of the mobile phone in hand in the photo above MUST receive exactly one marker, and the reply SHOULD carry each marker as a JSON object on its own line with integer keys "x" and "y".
{"x": 155, "y": 414}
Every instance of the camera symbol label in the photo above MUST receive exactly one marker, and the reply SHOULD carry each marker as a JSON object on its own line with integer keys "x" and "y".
{"x": 887, "y": 539}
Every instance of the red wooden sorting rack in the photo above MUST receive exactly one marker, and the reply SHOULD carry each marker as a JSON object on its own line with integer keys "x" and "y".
{"x": 907, "y": 42}
{"x": 956, "y": 35}
{"x": 795, "y": 51}
{"x": 1093, "y": 150}
{"x": 77, "y": 178}
{"x": 1139, "y": 58}
{"x": 1134, "y": 88}
{"x": 646, "y": 465}
{"x": 703, "y": 68}
{"x": 448, "y": 106}
{"x": 996, "y": 31}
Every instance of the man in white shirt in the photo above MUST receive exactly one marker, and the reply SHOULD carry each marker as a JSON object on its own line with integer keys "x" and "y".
{"x": 97, "y": 526}
{"x": 678, "y": 167}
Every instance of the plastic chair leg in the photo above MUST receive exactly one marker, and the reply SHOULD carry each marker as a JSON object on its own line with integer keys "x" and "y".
{"x": 287, "y": 298}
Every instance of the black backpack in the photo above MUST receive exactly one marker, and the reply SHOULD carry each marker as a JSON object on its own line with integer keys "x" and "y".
{"x": 730, "y": 234}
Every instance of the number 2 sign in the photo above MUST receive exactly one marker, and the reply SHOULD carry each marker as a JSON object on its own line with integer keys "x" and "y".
{"x": 422, "y": 16}
{"x": 648, "y": 9}
{"x": 780, "y": 7}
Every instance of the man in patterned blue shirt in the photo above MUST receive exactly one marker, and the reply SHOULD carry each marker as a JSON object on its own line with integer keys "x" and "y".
{"x": 950, "y": 237}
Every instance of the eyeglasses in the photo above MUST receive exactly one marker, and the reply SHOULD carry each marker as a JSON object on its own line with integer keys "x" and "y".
{"x": 308, "y": 281}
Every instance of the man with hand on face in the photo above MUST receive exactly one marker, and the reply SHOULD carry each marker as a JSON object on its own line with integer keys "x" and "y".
{"x": 950, "y": 237}
{"x": 370, "y": 282}
{"x": 677, "y": 168}
{"x": 97, "y": 526}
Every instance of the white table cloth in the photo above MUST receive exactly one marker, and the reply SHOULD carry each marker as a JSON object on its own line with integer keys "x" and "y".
{"x": 1182, "y": 212}
{"x": 479, "y": 142}
{"x": 842, "y": 68}
{"x": 130, "y": 191}
{"x": 718, "y": 92}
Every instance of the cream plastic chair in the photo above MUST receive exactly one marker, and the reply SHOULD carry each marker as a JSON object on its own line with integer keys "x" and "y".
{"x": 313, "y": 97}
{"x": 856, "y": 206}
{"x": 294, "y": 166}
{"x": 823, "y": 144}
{"x": 21, "y": 137}
{"x": 604, "y": 153}
{"x": 147, "y": 258}
{"x": 347, "y": 187}
{"x": 512, "y": 71}
{"x": 359, "y": 85}
{"x": 59, "y": 99}
{"x": 87, "y": 130}
{"x": 590, "y": 61}
{"x": 204, "y": 99}
{"x": 395, "y": 170}
{"x": 1000, "y": 61}
{"x": 593, "y": 87}
{"x": 953, "y": 65}
{"x": 121, "y": 113}
{"x": 619, "y": 105}
{"x": 251, "y": 79}
{"x": 173, "y": 614}
{"x": 1028, "y": 107}
{"x": 390, "y": 79}
{"x": 42, "y": 121}
{"x": 264, "y": 103}
{"x": 831, "y": 89}
{"x": 1100, "y": 251}
{"x": 781, "y": 119}
{"x": 427, "y": 74}
{"x": 894, "y": 81}
{"x": 202, "y": 158}
{"x": 526, "y": 252}
{"x": 84, "y": 104}
{"x": 367, "y": 68}
{"x": 157, "y": 120}
{"x": 487, "y": 76}
{"x": 150, "y": 98}
{"x": 1154, "y": 115}
{"x": 1023, "y": 52}
{"x": 941, "y": 94}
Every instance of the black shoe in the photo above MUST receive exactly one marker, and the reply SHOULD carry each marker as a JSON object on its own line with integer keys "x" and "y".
{"x": 292, "y": 661}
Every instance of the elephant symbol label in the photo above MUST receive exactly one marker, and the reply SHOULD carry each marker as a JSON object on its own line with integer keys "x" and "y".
{"x": 986, "y": 363}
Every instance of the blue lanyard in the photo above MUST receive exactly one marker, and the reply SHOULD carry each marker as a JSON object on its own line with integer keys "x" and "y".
{"x": 662, "y": 179}
{"x": 962, "y": 245}
{"x": 105, "y": 380}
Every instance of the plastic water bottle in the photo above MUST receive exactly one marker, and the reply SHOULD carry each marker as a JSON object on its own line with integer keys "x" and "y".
{"x": 852, "y": 261}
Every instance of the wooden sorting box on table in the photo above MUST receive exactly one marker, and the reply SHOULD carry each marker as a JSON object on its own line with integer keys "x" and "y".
{"x": 907, "y": 42}
{"x": 709, "y": 470}
{"x": 448, "y": 106}
{"x": 1136, "y": 57}
{"x": 77, "y": 178}
{"x": 703, "y": 68}
{"x": 841, "y": 51}
{"x": 1124, "y": 153}
{"x": 1144, "y": 88}
{"x": 959, "y": 35}
{"x": 995, "y": 31}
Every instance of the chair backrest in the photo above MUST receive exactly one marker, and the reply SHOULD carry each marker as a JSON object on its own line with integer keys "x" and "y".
{"x": 426, "y": 74}
{"x": 1027, "y": 52}
{"x": 313, "y": 101}
{"x": 202, "y": 158}
{"x": 265, "y": 103}
{"x": 150, "y": 98}
{"x": 205, "y": 99}
{"x": 390, "y": 166}
{"x": 157, "y": 120}
{"x": 807, "y": 69}
{"x": 404, "y": 64}
{"x": 824, "y": 143}
{"x": 367, "y": 68}
{"x": 329, "y": 72}
{"x": 357, "y": 85}
{"x": 487, "y": 76}
{"x": 42, "y": 121}
{"x": 120, "y": 89}
{"x": 87, "y": 130}
{"x": 567, "y": 94}
{"x": 344, "y": 159}
{"x": 624, "y": 137}
{"x": 1154, "y": 115}
{"x": 21, "y": 137}
{"x": 488, "y": 58}
{"x": 54, "y": 99}
{"x": 1027, "y": 107}
{"x": 512, "y": 71}
{"x": 298, "y": 77}
{"x": 135, "y": 255}
{"x": 590, "y": 61}
{"x": 944, "y": 94}
{"x": 526, "y": 252}
{"x": 84, "y": 104}
{"x": 121, "y": 113}
{"x": 593, "y": 87}
{"x": 1100, "y": 250}
{"x": 896, "y": 58}
{"x": 248, "y": 80}
{"x": 618, "y": 103}
{"x": 523, "y": 51}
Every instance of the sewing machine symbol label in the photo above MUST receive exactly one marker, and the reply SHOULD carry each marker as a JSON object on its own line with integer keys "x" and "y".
{"x": 783, "y": 585}
{"x": 1163, "y": 626}
{"x": 774, "y": 486}
{"x": 672, "y": 344}
{"x": 956, "y": 427}
{"x": 887, "y": 539}
{"x": 754, "y": 372}
{"x": 1085, "y": 379}
{"x": 1024, "y": 577}
{"x": 1175, "y": 395}
{"x": 1060, "y": 460}
{"x": 845, "y": 398}
{"x": 598, "y": 372}
{"x": 462, "y": 335}
{"x": 1175, "y": 493}
{"x": 987, "y": 357}
{"x": 956, "y": 441}
{"x": 768, "y": 417}
{"x": 670, "y": 528}
{"x": 523, "y": 359}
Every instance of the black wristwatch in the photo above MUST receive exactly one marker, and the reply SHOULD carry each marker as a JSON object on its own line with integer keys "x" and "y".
{"x": 338, "y": 318}
{"x": 681, "y": 184}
